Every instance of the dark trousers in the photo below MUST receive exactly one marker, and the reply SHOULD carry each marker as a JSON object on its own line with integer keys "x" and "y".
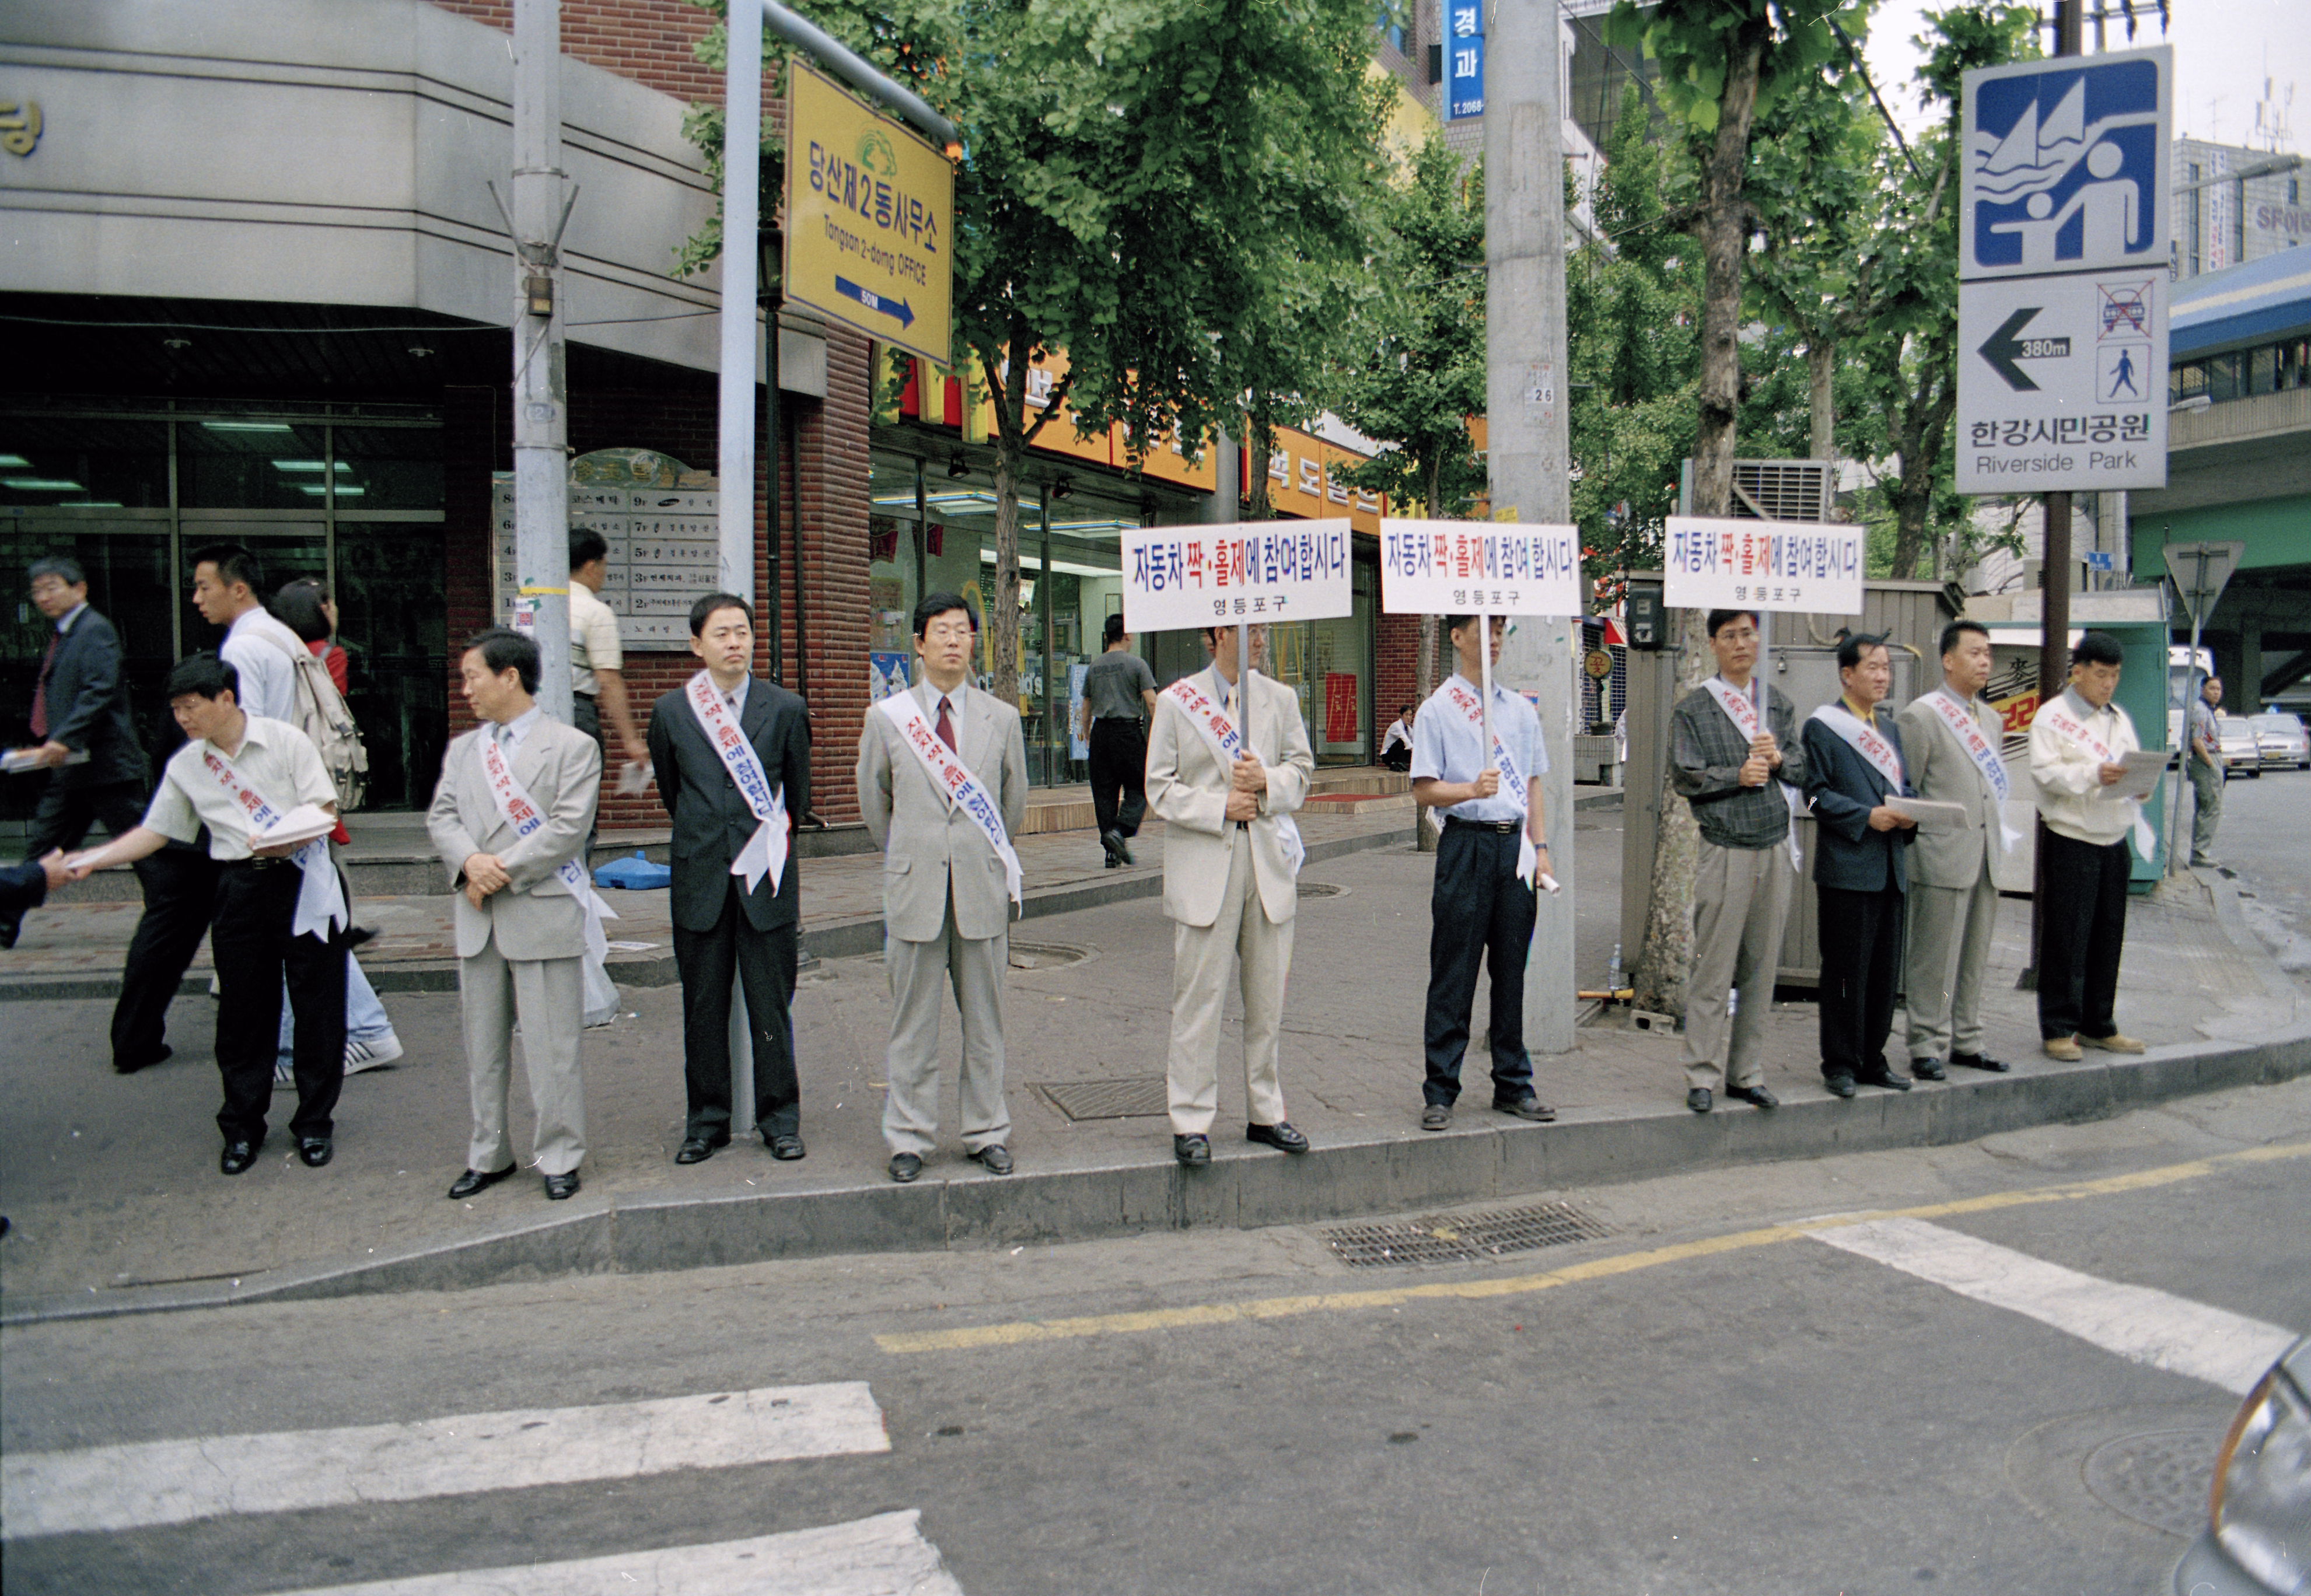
{"x": 181, "y": 891}
{"x": 2081, "y": 931}
{"x": 251, "y": 943}
{"x": 1861, "y": 962}
{"x": 1478, "y": 911}
{"x": 66, "y": 813}
{"x": 764, "y": 963}
{"x": 1119, "y": 774}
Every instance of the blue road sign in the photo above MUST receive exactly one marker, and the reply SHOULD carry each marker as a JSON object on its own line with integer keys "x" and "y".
{"x": 2066, "y": 165}
{"x": 1464, "y": 59}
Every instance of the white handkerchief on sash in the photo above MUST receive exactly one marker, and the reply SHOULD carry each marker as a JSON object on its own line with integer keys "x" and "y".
{"x": 320, "y": 895}
{"x": 765, "y": 852}
{"x": 2056, "y": 715}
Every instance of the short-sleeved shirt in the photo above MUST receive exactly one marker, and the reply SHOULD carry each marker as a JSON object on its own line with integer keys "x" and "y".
{"x": 1448, "y": 747}
{"x": 1113, "y": 684}
{"x": 2204, "y": 728}
{"x": 593, "y": 640}
{"x": 261, "y": 651}
{"x": 278, "y": 761}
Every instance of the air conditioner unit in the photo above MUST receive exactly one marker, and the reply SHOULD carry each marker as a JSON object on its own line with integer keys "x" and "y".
{"x": 1784, "y": 490}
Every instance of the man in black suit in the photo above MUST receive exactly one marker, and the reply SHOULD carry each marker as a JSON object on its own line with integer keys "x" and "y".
{"x": 82, "y": 732}
{"x": 1853, "y": 764}
{"x": 735, "y": 889}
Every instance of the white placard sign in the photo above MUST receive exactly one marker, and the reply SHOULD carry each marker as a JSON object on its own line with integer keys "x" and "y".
{"x": 1457, "y": 568}
{"x": 1179, "y": 577}
{"x": 2062, "y": 382}
{"x": 1813, "y": 567}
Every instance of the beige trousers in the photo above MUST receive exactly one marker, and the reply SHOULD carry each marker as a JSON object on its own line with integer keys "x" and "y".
{"x": 975, "y": 967}
{"x": 548, "y": 997}
{"x": 1741, "y": 904}
{"x": 1949, "y": 933}
{"x": 1200, "y": 957}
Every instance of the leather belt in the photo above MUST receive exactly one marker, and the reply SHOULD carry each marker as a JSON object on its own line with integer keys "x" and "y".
{"x": 1507, "y": 828}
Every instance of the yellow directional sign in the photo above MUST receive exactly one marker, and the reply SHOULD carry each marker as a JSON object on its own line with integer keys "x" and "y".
{"x": 870, "y": 219}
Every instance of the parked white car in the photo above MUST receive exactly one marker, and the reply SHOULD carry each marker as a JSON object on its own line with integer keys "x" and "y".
{"x": 2242, "y": 754}
{"x": 2284, "y": 743}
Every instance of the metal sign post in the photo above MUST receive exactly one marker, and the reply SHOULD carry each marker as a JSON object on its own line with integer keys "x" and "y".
{"x": 2200, "y": 571}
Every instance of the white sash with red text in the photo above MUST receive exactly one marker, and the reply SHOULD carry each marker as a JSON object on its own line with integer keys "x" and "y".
{"x": 1209, "y": 715}
{"x": 321, "y": 898}
{"x": 2058, "y": 716}
{"x": 1960, "y": 718}
{"x": 765, "y": 852}
{"x": 954, "y": 779}
{"x": 1743, "y": 713}
{"x": 1867, "y": 741}
{"x": 516, "y": 809}
{"x": 1461, "y": 697}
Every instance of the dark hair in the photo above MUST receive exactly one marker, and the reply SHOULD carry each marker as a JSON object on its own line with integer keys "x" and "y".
{"x": 1957, "y": 628}
{"x": 234, "y": 564}
{"x": 62, "y": 565}
{"x": 935, "y": 605}
{"x": 203, "y": 675}
{"x": 2097, "y": 647}
{"x": 1720, "y": 618}
{"x": 1453, "y": 623}
{"x": 1856, "y": 644}
{"x": 1407, "y": 709}
{"x": 298, "y": 606}
{"x": 1113, "y": 632}
{"x": 585, "y": 546}
{"x": 704, "y": 610}
{"x": 503, "y": 650}
{"x": 2210, "y": 677}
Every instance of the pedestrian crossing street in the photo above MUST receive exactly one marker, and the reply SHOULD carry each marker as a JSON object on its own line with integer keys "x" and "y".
{"x": 114, "y": 1488}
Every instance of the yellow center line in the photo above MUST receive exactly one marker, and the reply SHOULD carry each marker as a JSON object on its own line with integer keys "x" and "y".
{"x": 1019, "y": 1332}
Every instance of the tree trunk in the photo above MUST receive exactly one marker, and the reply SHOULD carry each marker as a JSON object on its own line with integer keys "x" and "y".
{"x": 1003, "y": 625}
{"x": 1821, "y": 368}
{"x": 1260, "y": 436}
{"x": 1661, "y": 970}
{"x": 1925, "y": 418}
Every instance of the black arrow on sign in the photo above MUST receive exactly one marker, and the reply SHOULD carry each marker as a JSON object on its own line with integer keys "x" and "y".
{"x": 2002, "y": 346}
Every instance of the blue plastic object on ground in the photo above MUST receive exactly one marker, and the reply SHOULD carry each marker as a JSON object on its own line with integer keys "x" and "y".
{"x": 635, "y": 874}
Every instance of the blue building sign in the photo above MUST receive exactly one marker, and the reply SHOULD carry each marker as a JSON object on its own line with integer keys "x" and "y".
{"x": 2066, "y": 165}
{"x": 1464, "y": 58}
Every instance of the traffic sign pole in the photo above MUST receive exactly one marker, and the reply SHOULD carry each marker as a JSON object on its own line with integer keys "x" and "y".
{"x": 2209, "y": 565}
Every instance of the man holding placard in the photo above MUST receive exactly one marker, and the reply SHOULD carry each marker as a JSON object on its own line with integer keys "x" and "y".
{"x": 1741, "y": 775}
{"x": 2078, "y": 748}
{"x": 1226, "y": 781}
{"x": 1492, "y": 855}
{"x": 1951, "y": 736}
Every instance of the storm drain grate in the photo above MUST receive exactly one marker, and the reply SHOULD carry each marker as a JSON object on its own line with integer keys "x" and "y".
{"x": 1107, "y": 1100}
{"x": 1320, "y": 889}
{"x": 1465, "y": 1238}
{"x": 2162, "y": 1479}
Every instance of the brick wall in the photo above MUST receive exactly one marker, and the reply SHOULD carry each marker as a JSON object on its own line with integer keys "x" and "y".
{"x": 1396, "y": 646}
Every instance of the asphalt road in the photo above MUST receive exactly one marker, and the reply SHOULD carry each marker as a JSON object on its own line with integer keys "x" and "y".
{"x": 1720, "y": 1393}
{"x": 2261, "y": 841}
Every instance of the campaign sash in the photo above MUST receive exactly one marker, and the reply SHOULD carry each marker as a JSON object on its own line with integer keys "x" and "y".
{"x": 2070, "y": 726}
{"x": 765, "y": 852}
{"x": 1865, "y": 740}
{"x": 320, "y": 898}
{"x": 518, "y": 811}
{"x": 1743, "y": 713}
{"x": 1960, "y": 718}
{"x": 954, "y": 779}
{"x": 1209, "y": 715}
{"x": 1513, "y": 783}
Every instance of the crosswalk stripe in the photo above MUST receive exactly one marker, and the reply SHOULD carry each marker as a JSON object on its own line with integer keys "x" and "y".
{"x": 883, "y": 1556}
{"x": 172, "y": 1482}
{"x": 2139, "y": 1323}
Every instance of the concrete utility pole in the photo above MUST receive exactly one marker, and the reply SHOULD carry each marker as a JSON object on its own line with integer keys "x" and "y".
{"x": 742, "y": 143}
{"x": 1524, "y": 400}
{"x": 541, "y": 382}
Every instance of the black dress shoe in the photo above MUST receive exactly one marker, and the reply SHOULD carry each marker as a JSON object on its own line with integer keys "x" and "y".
{"x": 1838, "y": 1086}
{"x": 1698, "y": 1099}
{"x": 1928, "y": 1070}
{"x": 1113, "y": 844}
{"x": 1981, "y": 1061}
{"x": 905, "y": 1167}
{"x": 1886, "y": 1079}
{"x": 1283, "y": 1135}
{"x": 1755, "y": 1096}
{"x": 785, "y": 1145}
{"x": 561, "y": 1188}
{"x": 1527, "y": 1107}
{"x": 1192, "y": 1150}
{"x": 1123, "y": 848}
{"x": 995, "y": 1160}
{"x": 698, "y": 1150}
{"x": 316, "y": 1150}
{"x": 475, "y": 1180}
{"x": 8, "y": 931}
{"x": 1436, "y": 1116}
{"x": 238, "y": 1155}
{"x": 131, "y": 1066}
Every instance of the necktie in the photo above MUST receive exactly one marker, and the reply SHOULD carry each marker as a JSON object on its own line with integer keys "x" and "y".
{"x": 40, "y": 688}
{"x": 946, "y": 726}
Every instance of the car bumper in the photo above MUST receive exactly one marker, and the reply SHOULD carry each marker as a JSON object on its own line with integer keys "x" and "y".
{"x": 2207, "y": 1570}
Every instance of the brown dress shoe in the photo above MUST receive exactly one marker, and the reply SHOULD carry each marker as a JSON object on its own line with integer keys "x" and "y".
{"x": 2112, "y": 1043}
{"x": 2065, "y": 1048}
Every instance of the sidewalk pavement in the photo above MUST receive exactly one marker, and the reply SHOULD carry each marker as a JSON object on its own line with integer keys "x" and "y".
{"x": 111, "y": 1183}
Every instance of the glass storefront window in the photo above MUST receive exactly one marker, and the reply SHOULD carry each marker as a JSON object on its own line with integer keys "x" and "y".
{"x": 59, "y": 462}
{"x": 252, "y": 463}
{"x": 388, "y": 468}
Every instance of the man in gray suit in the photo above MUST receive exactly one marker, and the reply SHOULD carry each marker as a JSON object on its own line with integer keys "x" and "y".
{"x": 1230, "y": 881}
{"x": 1952, "y": 736}
{"x": 943, "y": 785}
{"x": 510, "y": 820}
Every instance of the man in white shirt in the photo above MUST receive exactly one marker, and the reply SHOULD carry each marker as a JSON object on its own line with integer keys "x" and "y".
{"x": 597, "y": 680}
{"x": 226, "y": 581}
{"x": 279, "y": 910}
{"x": 1396, "y": 747}
{"x": 2077, "y": 744}
{"x": 1481, "y": 909}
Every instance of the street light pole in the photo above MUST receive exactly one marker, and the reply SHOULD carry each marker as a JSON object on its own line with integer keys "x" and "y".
{"x": 742, "y": 143}
{"x": 541, "y": 416}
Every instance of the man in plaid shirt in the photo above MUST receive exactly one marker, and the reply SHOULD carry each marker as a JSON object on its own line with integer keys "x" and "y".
{"x": 1740, "y": 783}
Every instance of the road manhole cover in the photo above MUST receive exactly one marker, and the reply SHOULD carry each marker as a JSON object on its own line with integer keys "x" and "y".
{"x": 2161, "y": 1477}
{"x": 1107, "y": 1100}
{"x": 1461, "y": 1238}
{"x": 1320, "y": 889}
{"x": 1046, "y": 956}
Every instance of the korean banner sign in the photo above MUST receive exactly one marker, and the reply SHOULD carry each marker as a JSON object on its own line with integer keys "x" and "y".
{"x": 1808, "y": 566}
{"x": 1179, "y": 577}
{"x": 1458, "y": 568}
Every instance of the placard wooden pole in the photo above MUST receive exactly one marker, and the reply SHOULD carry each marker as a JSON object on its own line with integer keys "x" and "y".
{"x": 1485, "y": 655}
{"x": 1243, "y": 674}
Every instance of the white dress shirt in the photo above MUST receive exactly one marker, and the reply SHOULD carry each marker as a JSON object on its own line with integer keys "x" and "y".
{"x": 2071, "y": 798}
{"x": 268, "y": 676}
{"x": 278, "y": 761}
{"x": 1446, "y": 746}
